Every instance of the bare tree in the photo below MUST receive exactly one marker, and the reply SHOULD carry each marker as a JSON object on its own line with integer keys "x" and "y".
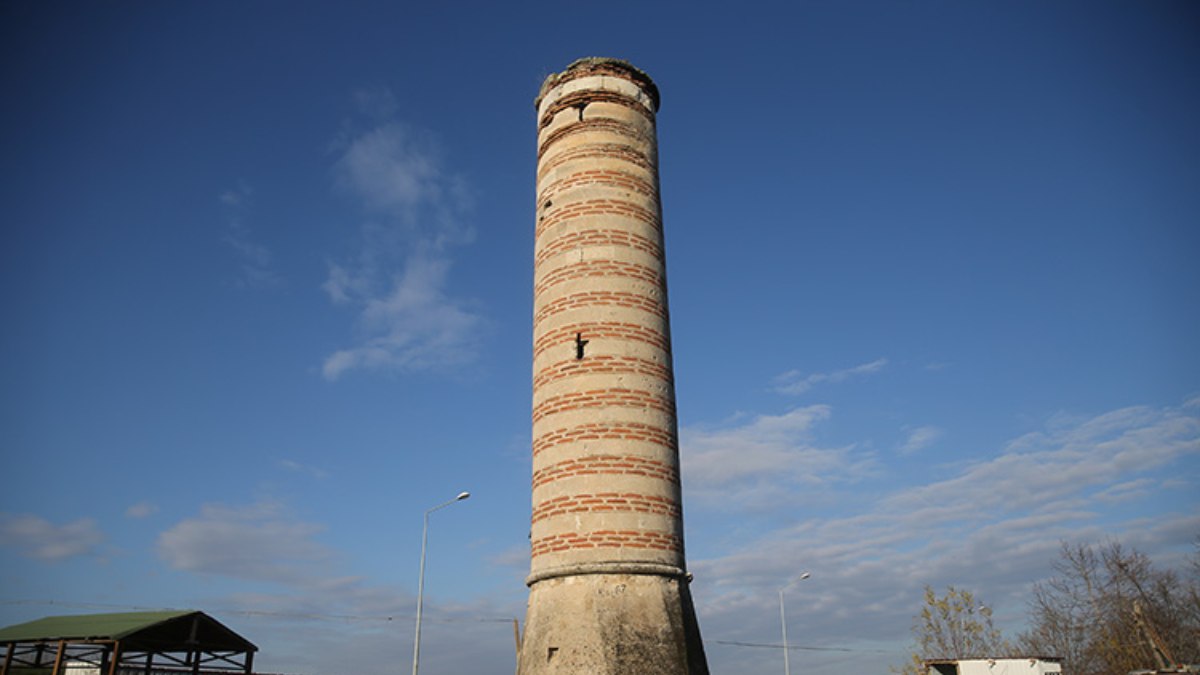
{"x": 1109, "y": 610}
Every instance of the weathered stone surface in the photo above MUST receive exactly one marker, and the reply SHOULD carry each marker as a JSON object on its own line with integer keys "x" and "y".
{"x": 612, "y": 624}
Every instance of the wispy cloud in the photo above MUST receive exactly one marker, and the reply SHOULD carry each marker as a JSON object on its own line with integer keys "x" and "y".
{"x": 919, "y": 439}
{"x": 37, "y": 538}
{"x": 1071, "y": 457}
{"x": 259, "y": 542}
{"x": 795, "y": 382}
{"x": 316, "y": 617}
{"x": 397, "y": 282}
{"x": 994, "y": 526}
{"x": 254, "y": 261}
{"x": 414, "y": 325}
{"x": 761, "y": 461}
{"x": 1128, "y": 491}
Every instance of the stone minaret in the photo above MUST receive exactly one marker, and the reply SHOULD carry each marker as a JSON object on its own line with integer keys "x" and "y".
{"x": 608, "y": 588}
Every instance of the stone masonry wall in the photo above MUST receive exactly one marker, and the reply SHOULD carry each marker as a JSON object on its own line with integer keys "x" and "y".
{"x": 606, "y": 487}
{"x": 608, "y": 588}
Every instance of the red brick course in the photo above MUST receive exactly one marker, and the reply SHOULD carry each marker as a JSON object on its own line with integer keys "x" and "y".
{"x": 620, "y": 180}
{"x": 603, "y": 398}
{"x": 577, "y": 239}
{"x": 564, "y": 336}
{"x": 601, "y": 268}
{"x": 589, "y": 299}
{"x": 592, "y": 365}
{"x": 589, "y": 151}
{"x": 592, "y": 465}
{"x": 640, "y": 539}
{"x": 597, "y": 207}
{"x": 580, "y": 99}
{"x": 597, "y": 124}
{"x": 607, "y": 431}
{"x": 602, "y": 502}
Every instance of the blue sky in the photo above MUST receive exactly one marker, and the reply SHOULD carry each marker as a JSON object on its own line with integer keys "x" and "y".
{"x": 267, "y": 269}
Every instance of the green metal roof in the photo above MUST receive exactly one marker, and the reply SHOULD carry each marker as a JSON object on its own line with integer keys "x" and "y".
{"x": 161, "y": 631}
{"x": 83, "y": 626}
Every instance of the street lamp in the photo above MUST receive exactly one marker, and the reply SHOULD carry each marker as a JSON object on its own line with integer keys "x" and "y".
{"x": 421, "y": 579}
{"x": 787, "y": 670}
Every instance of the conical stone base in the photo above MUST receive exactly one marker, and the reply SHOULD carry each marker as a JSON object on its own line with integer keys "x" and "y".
{"x": 611, "y": 624}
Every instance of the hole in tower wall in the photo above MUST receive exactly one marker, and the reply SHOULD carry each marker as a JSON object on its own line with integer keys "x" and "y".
{"x": 550, "y": 652}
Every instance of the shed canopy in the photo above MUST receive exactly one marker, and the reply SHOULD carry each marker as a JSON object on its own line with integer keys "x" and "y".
{"x": 186, "y": 641}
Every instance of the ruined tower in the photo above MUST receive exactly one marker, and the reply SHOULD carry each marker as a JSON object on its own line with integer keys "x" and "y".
{"x": 608, "y": 586}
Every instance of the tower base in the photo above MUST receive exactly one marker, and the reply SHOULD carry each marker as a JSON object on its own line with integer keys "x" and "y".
{"x": 611, "y": 624}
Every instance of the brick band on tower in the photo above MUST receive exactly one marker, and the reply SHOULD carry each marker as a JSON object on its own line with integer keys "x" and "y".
{"x": 608, "y": 586}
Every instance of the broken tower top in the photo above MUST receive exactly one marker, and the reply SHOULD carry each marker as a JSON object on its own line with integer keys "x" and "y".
{"x": 601, "y": 65}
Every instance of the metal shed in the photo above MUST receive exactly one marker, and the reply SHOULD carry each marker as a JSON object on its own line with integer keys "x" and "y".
{"x": 127, "y": 643}
{"x": 1025, "y": 665}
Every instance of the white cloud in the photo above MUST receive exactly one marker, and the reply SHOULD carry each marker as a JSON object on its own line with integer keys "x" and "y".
{"x": 395, "y": 173}
{"x": 260, "y": 542}
{"x": 38, "y": 538}
{"x": 141, "y": 510}
{"x": 412, "y": 327}
{"x": 391, "y": 169}
{"x": 869, "y": 561}
{"x": 795, "y": 382}
{"x": 321, "y": 619}
{"x": 1071, "y": 457}
{"x": 920, "y": 438}
{"x": 761, "y": 461}
{"x": 397, "y": 282}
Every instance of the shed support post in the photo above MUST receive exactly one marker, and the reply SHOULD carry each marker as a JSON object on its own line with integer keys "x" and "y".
{"x": 58, "y": 658}
{"x": 249, "y": 663}
{"x": 115, "y": 656}
{"x": 8, "y": 657}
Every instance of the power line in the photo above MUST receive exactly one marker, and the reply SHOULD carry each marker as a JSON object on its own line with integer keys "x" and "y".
{"x": 760, "y": 645}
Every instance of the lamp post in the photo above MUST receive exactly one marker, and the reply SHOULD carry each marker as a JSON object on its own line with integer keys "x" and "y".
{"x": 787, "y": 670}
{"x": 421, "y": 579}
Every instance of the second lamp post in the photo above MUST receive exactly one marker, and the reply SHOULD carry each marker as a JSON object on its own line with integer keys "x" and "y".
{"x": 787, "y": 670}
{"x": 421, "y": 578}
